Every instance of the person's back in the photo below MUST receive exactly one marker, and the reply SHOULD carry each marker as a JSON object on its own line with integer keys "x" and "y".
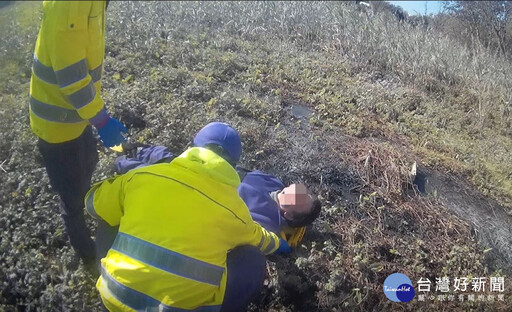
{"x": 177, "y": 222}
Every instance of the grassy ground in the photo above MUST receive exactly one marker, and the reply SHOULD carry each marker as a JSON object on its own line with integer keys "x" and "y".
{"x": 321, "y": 94}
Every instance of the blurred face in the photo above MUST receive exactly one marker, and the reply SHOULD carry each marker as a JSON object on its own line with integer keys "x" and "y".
{"x": 295, "y": 201}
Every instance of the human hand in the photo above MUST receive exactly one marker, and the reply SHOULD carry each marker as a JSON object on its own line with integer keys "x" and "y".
{"x": 284, "y": 248}
{"x": 111, "y": 132}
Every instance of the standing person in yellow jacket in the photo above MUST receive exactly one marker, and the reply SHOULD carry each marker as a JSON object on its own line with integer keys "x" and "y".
{"x": 186, "y": 240}
{"x": 65, "y": 101}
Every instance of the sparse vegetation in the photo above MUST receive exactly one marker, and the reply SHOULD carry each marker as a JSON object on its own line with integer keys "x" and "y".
{"x": 323, "y": 94}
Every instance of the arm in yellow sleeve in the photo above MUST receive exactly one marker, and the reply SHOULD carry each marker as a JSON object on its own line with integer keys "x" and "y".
{"x": 105, "y": 200}
{"x": 268, "y": 242}
{"x": 68, "y": 44}
{"x": 248, "y": 232}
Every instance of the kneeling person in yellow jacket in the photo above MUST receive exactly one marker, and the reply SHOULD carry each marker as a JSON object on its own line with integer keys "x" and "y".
{"x": 185, "y": 236}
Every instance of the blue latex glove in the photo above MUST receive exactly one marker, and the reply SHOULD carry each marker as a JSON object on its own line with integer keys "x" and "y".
{"x": 283, "y": 249}
{"x": 109, "y": 128}
{"x": 110, "y": 133}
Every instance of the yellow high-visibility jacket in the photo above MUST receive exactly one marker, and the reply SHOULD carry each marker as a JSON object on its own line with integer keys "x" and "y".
{"x": 177, "y": 221}
{"x": 65, "y": 84}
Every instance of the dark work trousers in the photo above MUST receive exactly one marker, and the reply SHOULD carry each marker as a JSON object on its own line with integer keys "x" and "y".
{"x": 105, "y": 236}
{"x": 246, "y": 274}
{"x": 70, "y": 166}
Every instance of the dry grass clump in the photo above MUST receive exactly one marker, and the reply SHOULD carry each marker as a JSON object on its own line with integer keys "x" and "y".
{"x": 382, "y": 167}
{"x": 389, "y": 231}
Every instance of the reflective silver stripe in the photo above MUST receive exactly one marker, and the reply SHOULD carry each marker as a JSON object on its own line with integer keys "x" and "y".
{"x": 72, "y": 73}
{"x": 89, "y": 205}
{"x": 270, "y": 247}
{"x": 46, "y": 73}
{"x": 141, "y": 302}
{"x": 54, "y": 113}
{"x": 83, "y": 96}
{"x": 43, "y": 72}
{"x": 96, "y": 73}
{"x": 262, "y": 240}
{"x": 168, "y": 260}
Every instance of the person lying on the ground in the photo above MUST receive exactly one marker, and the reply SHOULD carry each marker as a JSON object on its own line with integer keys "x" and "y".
{"x": 186, "y": 240}
{"x": 282, "y": 210}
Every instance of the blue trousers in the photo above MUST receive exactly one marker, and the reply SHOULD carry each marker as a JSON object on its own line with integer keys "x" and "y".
{"x": 246, "y": 274}
{"x": 70, "y": 166}
{"x": 246, "y": 269}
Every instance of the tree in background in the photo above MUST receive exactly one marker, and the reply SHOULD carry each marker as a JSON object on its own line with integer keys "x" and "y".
{"x": 487, "y": 21}
{"x": 383, "y": 6}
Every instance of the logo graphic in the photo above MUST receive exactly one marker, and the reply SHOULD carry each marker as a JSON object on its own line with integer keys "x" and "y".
{"x": 398, "y": 288}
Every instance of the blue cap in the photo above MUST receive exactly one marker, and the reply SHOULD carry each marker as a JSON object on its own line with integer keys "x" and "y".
{"x": 223, "y": 135}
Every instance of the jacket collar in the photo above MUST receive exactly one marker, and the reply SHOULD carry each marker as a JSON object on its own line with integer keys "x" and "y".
{"x": 205, "y": 162}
